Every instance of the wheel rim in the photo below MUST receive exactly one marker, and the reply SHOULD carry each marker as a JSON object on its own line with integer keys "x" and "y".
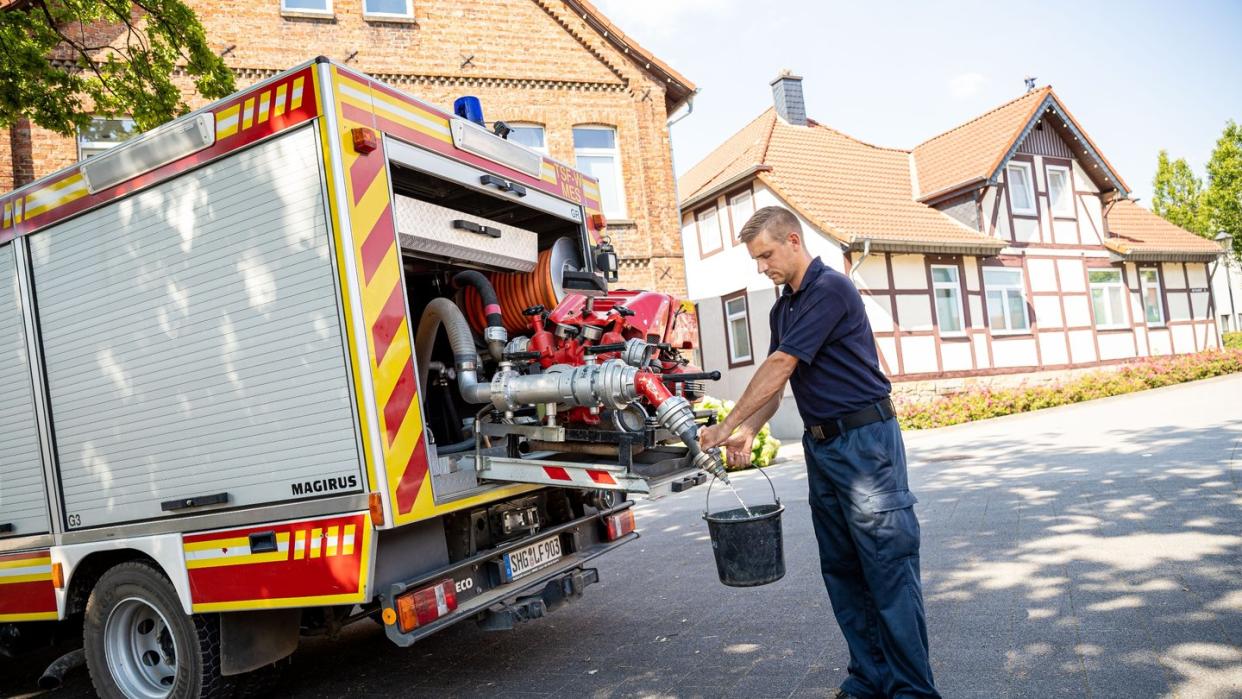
{"x": 141, "y": 650}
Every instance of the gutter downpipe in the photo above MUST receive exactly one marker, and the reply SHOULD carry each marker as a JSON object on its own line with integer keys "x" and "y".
{"x": 858, "y": 265}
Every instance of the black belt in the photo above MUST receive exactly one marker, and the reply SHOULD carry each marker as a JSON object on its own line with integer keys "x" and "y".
{"x": 835, "y": 428}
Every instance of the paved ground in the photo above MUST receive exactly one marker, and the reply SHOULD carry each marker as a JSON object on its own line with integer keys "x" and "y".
{"x": 1087, "y": 551}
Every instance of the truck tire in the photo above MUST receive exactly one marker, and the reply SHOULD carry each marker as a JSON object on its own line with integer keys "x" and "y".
{"x": 141, "y": 645}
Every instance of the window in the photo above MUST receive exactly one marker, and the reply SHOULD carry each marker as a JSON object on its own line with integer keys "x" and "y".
{"x": 1149, "y": 284}
{"x": 1006, "y": 306}
{"x": 948, "y": 294}
{"x": 1021, "y": 189}
{"x": 388, "y": 8}
{"x": 737, "y": 329}
{"x": 104, "y": 133}
{"x": 595, "y": 148}
{"x": 1060, "y": 194}
{"x": 1107, "y": 298}
{"x": 529, "y": 135}
{"x": 318, "y": 7}
{"x": 1224, "y": 323}
{"x": 741, "y": 208}
{"x": 708, "y": 223}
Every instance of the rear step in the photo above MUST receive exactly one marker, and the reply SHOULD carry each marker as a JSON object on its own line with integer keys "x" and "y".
{"x": 565, "y": 474}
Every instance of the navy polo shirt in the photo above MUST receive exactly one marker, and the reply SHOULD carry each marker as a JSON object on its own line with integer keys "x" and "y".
{"x": 825, "y": 326}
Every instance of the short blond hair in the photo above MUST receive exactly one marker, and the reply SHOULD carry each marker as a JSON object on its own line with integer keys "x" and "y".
{"x": 777, "y": 221}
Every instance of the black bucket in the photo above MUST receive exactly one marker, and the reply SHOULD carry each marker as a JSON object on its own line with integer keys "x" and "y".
{"x": 749, "y": 548}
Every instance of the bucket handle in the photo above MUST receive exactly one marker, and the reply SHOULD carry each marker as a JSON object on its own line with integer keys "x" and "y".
{"x": 707, "y": 505}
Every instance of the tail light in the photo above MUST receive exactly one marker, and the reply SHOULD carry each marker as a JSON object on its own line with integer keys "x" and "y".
{"x": 620, "y": 524}
{"x": 421, "y": 607}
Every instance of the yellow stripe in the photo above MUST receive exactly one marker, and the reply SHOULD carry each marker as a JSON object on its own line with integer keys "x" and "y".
{"x": 248, "y": 114}
{"x": 300, "y": 538}
{"x": 280, "y": 99}
{"x": 296, "y": 100}
{"x": 263, "y": 106}
{"x": 221, "y": 116}
{"x": 33, "y": 577}
{"x": 24, "y": 562}
{"x": 34, "y": 616}
{"x": 440, "y": 134}
{"x": 347, "y": 543}
{"x": 231, "y": 543}
{"x": 316, "y": 542}
{"x": 334, "y": 539}
{"x": 273, "y": 557}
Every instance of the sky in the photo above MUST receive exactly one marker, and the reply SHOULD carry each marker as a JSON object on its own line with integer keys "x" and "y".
{"x": 1138, "y": 76}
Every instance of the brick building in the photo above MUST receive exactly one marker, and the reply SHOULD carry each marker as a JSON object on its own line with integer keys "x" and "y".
{"x": 581, "y": 89}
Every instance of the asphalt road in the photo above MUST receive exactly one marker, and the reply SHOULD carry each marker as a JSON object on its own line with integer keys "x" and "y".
{"x": 1087, "y": 551}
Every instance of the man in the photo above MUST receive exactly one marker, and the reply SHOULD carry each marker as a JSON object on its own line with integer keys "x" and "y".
{"x": 861, "y": 505}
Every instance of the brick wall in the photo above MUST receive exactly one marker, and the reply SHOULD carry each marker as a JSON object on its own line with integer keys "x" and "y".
{"x": 530, "y": 60}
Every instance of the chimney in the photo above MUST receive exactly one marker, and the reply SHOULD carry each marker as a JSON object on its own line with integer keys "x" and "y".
{"x": 787, "y": 96}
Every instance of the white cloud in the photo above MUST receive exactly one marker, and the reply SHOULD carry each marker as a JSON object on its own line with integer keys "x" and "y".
{"x": 966, "y": 85}
{"x": 647, "y": 20}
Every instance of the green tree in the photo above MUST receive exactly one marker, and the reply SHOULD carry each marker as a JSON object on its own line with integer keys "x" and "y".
{"x": 61, "y": 58}
{"x": 1177, "y": 194}
{"x": 1223, "y": 198}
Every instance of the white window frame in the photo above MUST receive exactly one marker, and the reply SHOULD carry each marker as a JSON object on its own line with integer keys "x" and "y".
{"x": 615, "y": 153}
{"x": 302, "y": 11}
{"x": 407, "y": 15}
{"x": 99, "y": 146}
{"x": 532, "y": 125}
{"x": 699, "y": 216}
{"x": 1119, "y": 287}
{"x": 1144, "y": 285}
{"x": 1007, "y": 290}
{"x": 735, "y": 224}
{"x": 1030, "y": 188}
{"x": 956, "y": 287}
{"x": 729, "y": 317}
{"x": 1069, "y": 191}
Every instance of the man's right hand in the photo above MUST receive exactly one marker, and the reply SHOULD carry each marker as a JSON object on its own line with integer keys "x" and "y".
{"x": 738, "y": 447}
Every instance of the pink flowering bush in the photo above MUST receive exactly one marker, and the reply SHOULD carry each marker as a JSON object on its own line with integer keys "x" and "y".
{"x": 1149, "y": 372}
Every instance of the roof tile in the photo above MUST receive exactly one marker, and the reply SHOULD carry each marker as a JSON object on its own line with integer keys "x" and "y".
{"x": 1134, "y": 230}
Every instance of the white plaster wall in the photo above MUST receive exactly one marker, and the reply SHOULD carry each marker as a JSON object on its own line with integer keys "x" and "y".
{"x": 1077, "y": 311}
{"x": 1161, "y": 341}
{"x": 1199, "y": 303}
{"x": 888, "y": 353}
{"x": 1043, "y": 274}
{"x": 1144, "y": 342}
{"x": 1072, "y": 275}
{"x": 1026, "y": 230}
{"x": 909, "y": 272}
{"x": 1082, "y": 183}
{"x": 871, "y": 274}
{"x": 955, "y": 355}
{"x": 1173, "y": 276}
{"x": 1014, "y": 352}
{"x": 1211, "y": 337}
{"x": 919, "y": 354}
{"x": 1227, "y": 292}
{"x": 879, "y": 313}
{"x": 980, "y": 341}
{"x": 1082, "y": 346}
{"x": 1090, "y": 219}
{"x": 1052, "y": 349}
{"x": 1183, "y": 339}
{"x": 1116, "y": 345}
{"x": 1198, "y": 276}
{"x": 971, "y": 269}
{"x": 1065, "y": 232}
{"x": 1179, "y": 307}
{"x": 914, "y": 312}
{"x": 1047, "y": 311}
{"x": 976, "y": 312}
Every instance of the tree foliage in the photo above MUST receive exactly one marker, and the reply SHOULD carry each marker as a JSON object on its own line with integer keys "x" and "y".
{"x": 1223, "y": 198}
{"x": 1177, "y": 194}
{"x": 63, "y": 60}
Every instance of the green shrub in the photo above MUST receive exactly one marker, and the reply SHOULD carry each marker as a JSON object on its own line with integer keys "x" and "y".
{"x": 1233, "y": 340}
{"x": 762, "y": 451}
{"x": 1149, "y": 372}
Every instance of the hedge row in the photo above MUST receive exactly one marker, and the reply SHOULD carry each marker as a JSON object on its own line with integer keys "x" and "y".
{"x": 1152, "y": 372}
{"x": 1233, "y": 340}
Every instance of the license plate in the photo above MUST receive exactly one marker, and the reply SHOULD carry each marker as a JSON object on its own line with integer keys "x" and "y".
{"x": 540, "y": 554}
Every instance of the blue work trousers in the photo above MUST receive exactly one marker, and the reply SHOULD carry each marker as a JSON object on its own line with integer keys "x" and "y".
{"x": 868, "y": 535}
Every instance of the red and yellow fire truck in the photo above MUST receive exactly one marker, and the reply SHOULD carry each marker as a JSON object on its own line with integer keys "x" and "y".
{"x": 315, "y": 353}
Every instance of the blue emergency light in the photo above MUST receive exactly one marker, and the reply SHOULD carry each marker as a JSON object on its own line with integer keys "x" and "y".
{"x": 469, "y": 108}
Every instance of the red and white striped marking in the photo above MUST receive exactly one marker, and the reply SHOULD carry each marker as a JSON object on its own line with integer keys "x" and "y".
{"x": 584, "y": 476}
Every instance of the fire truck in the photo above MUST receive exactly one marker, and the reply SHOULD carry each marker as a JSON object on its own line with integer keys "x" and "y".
{"x": 316, "y": 353}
